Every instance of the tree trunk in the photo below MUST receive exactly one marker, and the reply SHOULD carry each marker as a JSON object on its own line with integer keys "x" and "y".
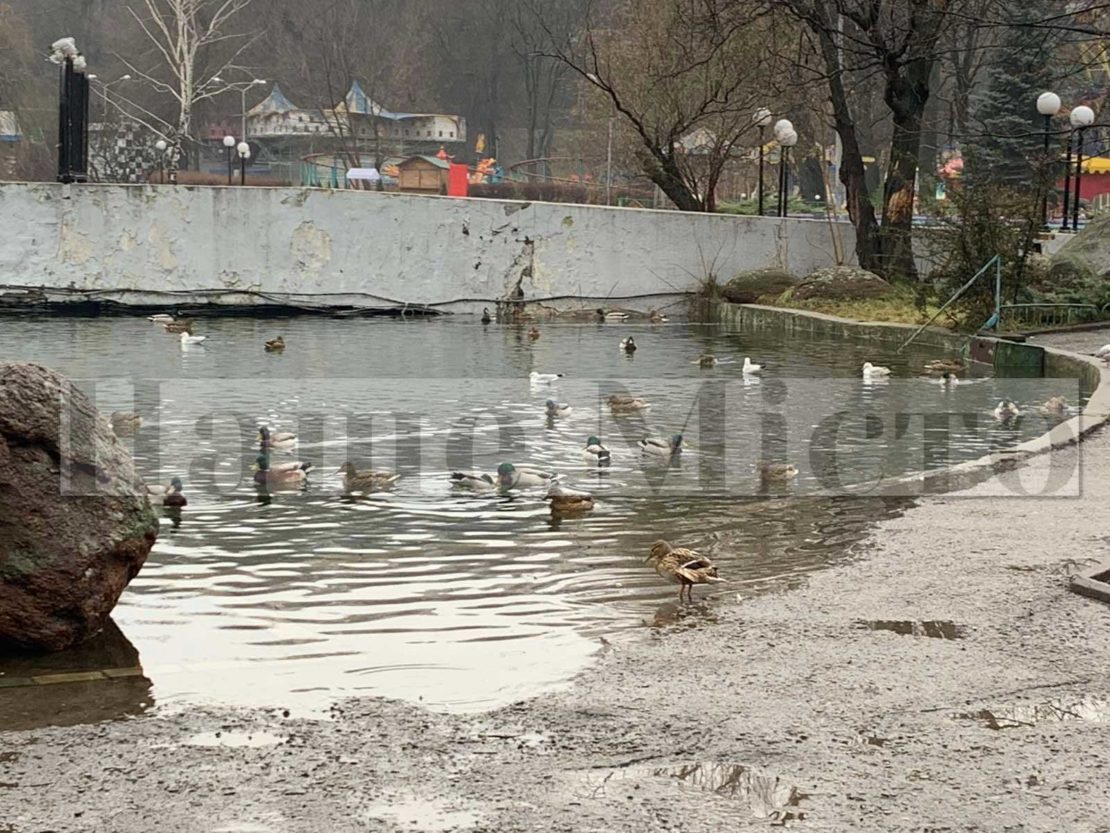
{"x": 852, "y": 171}
{"x": 663, "y": 171}
{"x": 906, "y": 94}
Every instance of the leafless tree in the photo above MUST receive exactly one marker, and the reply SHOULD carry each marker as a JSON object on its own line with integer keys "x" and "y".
{"x": 196, "y": 45}
{"x": 685, "y": 76}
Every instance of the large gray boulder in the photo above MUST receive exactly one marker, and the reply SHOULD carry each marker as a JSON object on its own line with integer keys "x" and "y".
{"x": 749, "y": 287}
{"x": 841, "y": 283}
{"x": 75, "y": 522}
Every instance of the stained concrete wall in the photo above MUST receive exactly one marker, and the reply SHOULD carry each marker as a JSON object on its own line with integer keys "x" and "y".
{"x": 135, "y": 243}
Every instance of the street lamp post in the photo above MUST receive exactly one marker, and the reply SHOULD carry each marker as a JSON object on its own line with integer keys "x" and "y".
{"x": 1067, "y": 179}
{"x": 161, "y": 146}
{"x": 1048, "y": 105}
{"x": 229, "y": 144}
{"x": 1082, "y": 117}
{"x": 244, "y": 154}
{"x": 762, "y": 119}
{"x": 787, "y": 138}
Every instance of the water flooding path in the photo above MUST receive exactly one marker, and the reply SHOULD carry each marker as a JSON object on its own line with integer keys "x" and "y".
{"x": 456, "y": 600}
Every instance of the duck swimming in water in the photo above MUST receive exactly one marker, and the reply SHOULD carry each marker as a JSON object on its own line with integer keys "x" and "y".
{"x": 275, "y": 345}
{"x": 628, "y": 345}
{"x": 366, "y": 481}
{"x": 595, "y": 452}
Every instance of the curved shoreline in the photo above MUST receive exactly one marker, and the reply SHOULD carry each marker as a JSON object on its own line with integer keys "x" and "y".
{"x": 991, "y": 717}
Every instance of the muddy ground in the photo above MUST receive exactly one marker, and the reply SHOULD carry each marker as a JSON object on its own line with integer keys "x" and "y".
{"x": 799, "y": 713}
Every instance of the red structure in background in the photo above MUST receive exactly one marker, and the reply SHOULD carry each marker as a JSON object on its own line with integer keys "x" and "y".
{"x": 458, "y": 180}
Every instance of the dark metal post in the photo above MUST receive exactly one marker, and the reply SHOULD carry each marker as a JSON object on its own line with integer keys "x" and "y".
{"x": 783, "y": 153}
{"x": 1067, "y": 180}
{"x": 229, "y": 168}
{"x": 761, "y": 131}
{"x": 162, "y": 169}
{"x": 1078, "y": 179}
{"x": 1048, "y": 171}
{"x": 73, "y": 119}
{"x": 242, "y": 170}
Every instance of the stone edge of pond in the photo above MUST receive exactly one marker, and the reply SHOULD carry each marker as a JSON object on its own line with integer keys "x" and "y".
{"x": 961, "y": 475}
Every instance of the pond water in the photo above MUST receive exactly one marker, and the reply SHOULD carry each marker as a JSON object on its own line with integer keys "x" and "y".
{"x": 295, "y": 599}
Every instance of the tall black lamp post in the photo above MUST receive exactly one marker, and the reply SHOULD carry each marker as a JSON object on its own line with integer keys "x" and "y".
{"x": 73, "y": 112}
{"x": 1048, "y": 105}
{"x": 229, "y": 145}
{"x": 787, "y": 138}
{"x": 244, "y": 151}
{"x": 762, "y": 119}
{"x": 1082, "y": 117}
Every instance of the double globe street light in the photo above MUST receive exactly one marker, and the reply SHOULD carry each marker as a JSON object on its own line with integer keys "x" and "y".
{"x": 1080, "y": 118}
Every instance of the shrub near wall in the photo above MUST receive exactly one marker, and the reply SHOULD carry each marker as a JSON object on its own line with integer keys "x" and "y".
{"x": 542, "y": 191}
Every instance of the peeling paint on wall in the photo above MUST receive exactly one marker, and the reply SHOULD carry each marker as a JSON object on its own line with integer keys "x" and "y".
{"x": 310, "y": 247}
{"x": 373, "y": 245}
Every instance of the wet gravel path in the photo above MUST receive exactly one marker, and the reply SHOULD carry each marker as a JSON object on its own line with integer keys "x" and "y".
{"x": 838, "y": 726}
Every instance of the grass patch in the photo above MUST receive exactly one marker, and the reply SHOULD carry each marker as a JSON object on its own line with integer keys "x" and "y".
{"x": 898, "y": 307}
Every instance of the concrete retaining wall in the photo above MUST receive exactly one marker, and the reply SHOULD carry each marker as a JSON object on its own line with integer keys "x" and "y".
{"x": 133, "y": 242}
{"x": 1092, "y": 374}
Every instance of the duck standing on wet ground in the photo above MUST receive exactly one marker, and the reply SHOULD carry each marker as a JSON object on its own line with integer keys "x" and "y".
{"x": 275, "y": 345}
{"x": 682, "y": 567}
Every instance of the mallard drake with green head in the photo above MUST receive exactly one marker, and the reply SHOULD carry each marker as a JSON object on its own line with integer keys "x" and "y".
{"x": 371, "y": 480}
{"x": 595, "y": 453}
{"x": 611, "y": 316}
{"x": 175, "y": 496}
{"x": 513, "y": 477}
{"x": 659, "y": 447}
{"x": 622, "y": 404}
{"x": 566, "y": 501}
{"x": 682, "y": 567}
{"x": 268, "y": 473}
{"x": 275, "y": 345}
{"x": 276, "y": 440}
{"x": 125, "y": 423}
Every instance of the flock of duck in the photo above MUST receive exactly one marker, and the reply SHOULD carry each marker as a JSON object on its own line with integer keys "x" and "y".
{"x": 678, "y": 565}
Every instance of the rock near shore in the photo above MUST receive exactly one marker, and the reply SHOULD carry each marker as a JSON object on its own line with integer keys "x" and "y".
{"x": 841, "y": 283}
{"x": 75, "y": 523}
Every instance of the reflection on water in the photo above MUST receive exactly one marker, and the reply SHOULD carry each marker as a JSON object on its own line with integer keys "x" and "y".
{"x": 101, "y": 679}
{"x": 459, "y": 600}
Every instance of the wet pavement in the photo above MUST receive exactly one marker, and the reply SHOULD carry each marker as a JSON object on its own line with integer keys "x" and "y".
{"x": 781, "y": 709}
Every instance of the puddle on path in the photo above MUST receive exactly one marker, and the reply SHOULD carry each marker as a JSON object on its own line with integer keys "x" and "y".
{"x": 1012, "y": 716}
{"x": 765, "y": 795}
{"x": 934, "y": 629}
{"x": 235, "y": 739}
{"x": 419, "y": 815}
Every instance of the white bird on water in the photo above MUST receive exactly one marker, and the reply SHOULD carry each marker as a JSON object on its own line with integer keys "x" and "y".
{"x": 872, "y": 371}
{"x": 160, "y": 318}
{"x": 1103, "y": 353}
{"x": 544, "y": 378}
{"x": 188, "y": 340}
{"x": 750, "y": 368}
{"x": 1006, "y": 411}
